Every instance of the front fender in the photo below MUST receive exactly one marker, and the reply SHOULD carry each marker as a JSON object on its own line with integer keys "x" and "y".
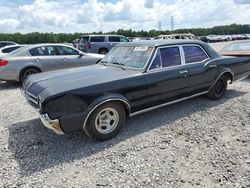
{"x": 75, "y": 121}
{"x": 103, "y": 99}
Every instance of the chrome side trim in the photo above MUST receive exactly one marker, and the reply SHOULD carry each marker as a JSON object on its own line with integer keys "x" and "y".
{"x": 107, "y": 100}
{"x": 166, "y": 104}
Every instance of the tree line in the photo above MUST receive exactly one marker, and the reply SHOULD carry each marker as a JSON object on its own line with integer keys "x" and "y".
{"x": 36, "y": 37}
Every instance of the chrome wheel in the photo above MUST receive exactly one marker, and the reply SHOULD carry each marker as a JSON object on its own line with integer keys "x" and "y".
{"x": 106, "y": 120}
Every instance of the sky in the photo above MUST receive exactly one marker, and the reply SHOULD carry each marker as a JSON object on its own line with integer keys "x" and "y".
{"x": 69, "y": 16}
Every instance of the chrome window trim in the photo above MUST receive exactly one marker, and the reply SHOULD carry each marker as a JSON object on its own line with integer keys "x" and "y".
{"x": 184, "y": 45}
{"x": 163, "y": 68}
{"x": 182, "y": 55}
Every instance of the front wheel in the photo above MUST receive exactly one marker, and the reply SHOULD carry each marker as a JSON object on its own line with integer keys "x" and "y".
{"x": 106, "y": 121}
{"x": 218, "y": 89}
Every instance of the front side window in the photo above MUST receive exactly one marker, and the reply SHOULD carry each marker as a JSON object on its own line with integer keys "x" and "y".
{"x": 64, "y": 50}
{"x": 194, "y": 54}
{"x": 124, "y": 39}
{"x": 97, "y": 39}
{"x": 166, "y": 57}
{"x": 114, "y": 39}
{"x": 128, "y": 56}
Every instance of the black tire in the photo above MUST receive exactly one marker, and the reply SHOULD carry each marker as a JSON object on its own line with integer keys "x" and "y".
{"x": 219, "y": 88}
{"x": 26, "y": 72}
{"x": 103, "y": 51}
{"x": 98, "y": 130}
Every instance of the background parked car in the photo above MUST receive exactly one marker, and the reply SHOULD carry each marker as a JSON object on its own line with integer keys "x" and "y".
{"x": 32, "y": 59}
{"x": 100, "y": 44}
{"x": 7, "y": 49}
{"x": 177, "y": 36}
{"x": 239, "y": 49}
{"x": 6, "y": 43}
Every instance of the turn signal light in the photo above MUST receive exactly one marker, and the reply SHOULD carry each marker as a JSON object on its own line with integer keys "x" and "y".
{"x": 3, "y": 62}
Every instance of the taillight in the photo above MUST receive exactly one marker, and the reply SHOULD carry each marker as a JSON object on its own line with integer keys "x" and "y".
{"x": 3, "y": 62}
{"x": 88, "y": 46}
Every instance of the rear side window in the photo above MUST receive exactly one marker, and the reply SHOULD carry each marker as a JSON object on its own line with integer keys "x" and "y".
{"x": 167, "y": 57}
{"x": 97, "y": 39}
{"x": 84, "y": 40}
{"x": 2, "y": 45}
{"x": 114, "y": 39}
{"x": 8, "y": 50}
{"x": 63, "y": 50}
{"x": 43, "y": 51}
{"x": 194, "y": 54}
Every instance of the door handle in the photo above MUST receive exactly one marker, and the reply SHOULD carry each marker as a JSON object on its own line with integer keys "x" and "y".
{"x": 37, "y": 59}
{"x": 65, "y": 59}
{"x": 213, "y": 66}
{"x": 183, "y": 72}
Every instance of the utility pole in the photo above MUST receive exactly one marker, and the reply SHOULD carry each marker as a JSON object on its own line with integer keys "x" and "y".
{"x": 172, "y": 23}
{"x": 159, "y": 25}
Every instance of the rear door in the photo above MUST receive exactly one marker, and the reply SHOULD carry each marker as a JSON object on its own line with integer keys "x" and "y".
{"x": 113, "y": 40}
{"x": 201, "y": 70}
{"x": 46, "y": 57}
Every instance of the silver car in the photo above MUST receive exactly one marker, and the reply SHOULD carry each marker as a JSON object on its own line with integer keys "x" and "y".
{"x": 17, "y": 65}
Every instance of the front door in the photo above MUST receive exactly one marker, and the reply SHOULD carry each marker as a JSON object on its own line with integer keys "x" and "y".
{"x": 166, "y": 78}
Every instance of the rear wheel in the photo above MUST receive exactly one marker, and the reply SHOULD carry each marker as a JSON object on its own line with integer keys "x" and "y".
{"x": 106, "y": 121}
{"x": 27, "y": 72}
{"x": 219, "y": 88}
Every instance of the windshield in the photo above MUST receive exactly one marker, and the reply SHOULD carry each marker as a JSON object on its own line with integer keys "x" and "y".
{"x": 128, "y": 56}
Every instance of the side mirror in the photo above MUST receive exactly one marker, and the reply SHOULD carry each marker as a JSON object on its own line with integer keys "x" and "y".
{"x": 81, "y": 54}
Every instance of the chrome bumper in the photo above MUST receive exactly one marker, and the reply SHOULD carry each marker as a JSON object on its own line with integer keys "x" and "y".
{"x": 51, "y": 124}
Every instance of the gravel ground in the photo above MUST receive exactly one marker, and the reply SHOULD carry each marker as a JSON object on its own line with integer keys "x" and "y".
{"x": 195, "y": 143}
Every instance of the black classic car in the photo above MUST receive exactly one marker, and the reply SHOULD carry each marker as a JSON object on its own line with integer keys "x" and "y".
{"x": 131, "y": 79}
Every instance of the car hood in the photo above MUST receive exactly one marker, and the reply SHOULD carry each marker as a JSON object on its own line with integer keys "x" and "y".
{"x": 55, "y": 83}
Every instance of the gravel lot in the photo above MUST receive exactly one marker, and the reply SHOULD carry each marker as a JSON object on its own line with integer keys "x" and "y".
{"x": 198, "y": 143}
{"x": 195, "y": 143}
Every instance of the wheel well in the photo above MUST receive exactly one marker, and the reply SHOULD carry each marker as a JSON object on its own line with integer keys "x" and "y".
{"x": 27, "y": 68}
{"x": 122, "y": 102}
{"x": 229, "y": 76}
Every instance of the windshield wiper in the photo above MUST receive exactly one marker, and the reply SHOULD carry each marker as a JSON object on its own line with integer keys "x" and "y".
{"x": 121, "y": 64}
{"x": 104, "y": 63}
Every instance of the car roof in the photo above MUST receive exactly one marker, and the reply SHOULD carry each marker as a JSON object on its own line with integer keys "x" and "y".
{"x": 156, "y": 43}
{"x": 8, "y": 42}
{"x": 111, "y": 35}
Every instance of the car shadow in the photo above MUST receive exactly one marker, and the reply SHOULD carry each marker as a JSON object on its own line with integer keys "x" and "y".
{"x": 4, "y": 85}
{"x": 35, "y": 148}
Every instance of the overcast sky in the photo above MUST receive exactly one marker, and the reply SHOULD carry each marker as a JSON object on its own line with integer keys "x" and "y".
{"x": 109, "y": 15}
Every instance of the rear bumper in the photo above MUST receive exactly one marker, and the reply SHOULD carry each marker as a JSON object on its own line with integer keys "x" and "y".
{"x": 53, "y": 124}
{"x": 8, "y": 75}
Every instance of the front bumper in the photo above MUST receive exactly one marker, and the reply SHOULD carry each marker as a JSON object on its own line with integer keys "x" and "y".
{"x": 54, "y": 124}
